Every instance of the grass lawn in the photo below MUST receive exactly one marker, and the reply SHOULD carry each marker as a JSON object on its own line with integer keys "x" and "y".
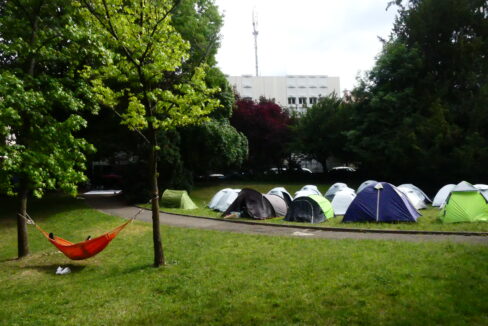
{"x": 428, "y": 221}
{"x": 219, "y": 278}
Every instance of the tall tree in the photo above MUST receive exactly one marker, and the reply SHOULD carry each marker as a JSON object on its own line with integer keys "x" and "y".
{"x": 266, "y": 126}
{"x": 144, "y": 55}
{"x": 422, "y": 108}
{"x": 42, "y": 97}
{"x": 322, "y": 131}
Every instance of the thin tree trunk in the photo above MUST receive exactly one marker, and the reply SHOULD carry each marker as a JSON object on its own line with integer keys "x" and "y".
{"x": 22, "y": 240}
{"x": 153, "y": 162}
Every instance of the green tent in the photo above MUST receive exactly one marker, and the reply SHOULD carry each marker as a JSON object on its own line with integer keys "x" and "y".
{"x": 465, "y": 204}
{"x": 324, "y": 204}
{"x": 177, "y": 199}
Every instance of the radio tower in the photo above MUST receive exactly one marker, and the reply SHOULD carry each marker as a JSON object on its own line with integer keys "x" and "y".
{"x": 255, "y": 33}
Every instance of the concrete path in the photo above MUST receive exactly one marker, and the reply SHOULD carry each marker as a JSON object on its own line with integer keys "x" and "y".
{"x": 112, "y": 206}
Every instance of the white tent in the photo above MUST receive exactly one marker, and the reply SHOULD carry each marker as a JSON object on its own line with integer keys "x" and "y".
{"x": 414, "y": 197}
{"x": 441, "y": 196}
{"x": 365, "y": 184}
{"x": 223, "y": 198}
{"x": 338, "y": 186}
{"x": 311, "y": 188}
{"x": 304, "y": 193}
{"x": 483, "y": 189}
{"x": 281, "y": 192}
{"x": 342, "y": 200}
{"x": 419, "y": 191}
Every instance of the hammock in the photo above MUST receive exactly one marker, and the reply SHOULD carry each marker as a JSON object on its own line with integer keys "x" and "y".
{"x": 85, "y": 249}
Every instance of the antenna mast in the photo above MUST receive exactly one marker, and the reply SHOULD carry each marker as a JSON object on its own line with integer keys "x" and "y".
{"x": 255, "y": 33}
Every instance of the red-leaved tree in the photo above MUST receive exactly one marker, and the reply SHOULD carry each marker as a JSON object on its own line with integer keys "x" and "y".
{"x": 267, "y": 128}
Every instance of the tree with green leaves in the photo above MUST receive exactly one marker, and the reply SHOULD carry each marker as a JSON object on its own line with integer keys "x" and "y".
{"x": 422, "y": 108}
{"x": 321, "y": 132}
{"x": 142, "y": 76}
{"x": 42, "y": 97}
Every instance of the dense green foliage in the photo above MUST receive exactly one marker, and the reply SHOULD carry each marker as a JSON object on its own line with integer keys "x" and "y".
{"x": 42, "y": 97}
{"x": 422, "y": 110}
{"x": 420, "y": 114}
{"x": 184, "y": 151}
{"x": 319, "y": 134}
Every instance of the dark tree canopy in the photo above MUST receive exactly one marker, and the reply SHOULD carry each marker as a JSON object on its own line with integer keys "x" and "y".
{"x": 422, "y": 112}
{"x": 266, "y": 126}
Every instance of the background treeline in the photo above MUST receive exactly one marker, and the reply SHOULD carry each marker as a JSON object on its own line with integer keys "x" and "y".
{"x": 420, "y": 115}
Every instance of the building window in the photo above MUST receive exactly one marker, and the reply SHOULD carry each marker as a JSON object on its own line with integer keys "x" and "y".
{"x": 292, "y": 100}
{"x": 313, "y": 100}
{"x": 302, "y": 100}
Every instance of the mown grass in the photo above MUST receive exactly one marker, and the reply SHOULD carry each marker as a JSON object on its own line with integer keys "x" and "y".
{"x": 218, "y": 278}
{"x": 429, "y": 221}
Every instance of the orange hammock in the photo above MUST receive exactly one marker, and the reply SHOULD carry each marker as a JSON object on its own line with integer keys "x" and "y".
{"x": 85, "y": 249}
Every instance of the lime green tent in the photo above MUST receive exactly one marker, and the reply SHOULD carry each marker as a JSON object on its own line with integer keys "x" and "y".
{"x": 324, "y": 204}
{"x": 465, "y": 204}
{"x": 177, "y": 199}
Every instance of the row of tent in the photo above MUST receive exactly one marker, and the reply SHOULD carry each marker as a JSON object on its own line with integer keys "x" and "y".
{"x": 373, "y": 201}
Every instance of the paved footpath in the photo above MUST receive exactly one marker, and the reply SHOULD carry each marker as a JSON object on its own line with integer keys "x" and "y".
{"x": 112, "y": 206}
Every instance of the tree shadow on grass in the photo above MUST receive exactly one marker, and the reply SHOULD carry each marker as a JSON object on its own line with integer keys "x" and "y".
{"x": 51, "y": 268}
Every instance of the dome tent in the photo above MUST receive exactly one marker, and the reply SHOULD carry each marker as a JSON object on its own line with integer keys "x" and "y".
{"x": 307, "y": 191}
{"x": 310, "y": 209}
{"x": 342, "y": 200}
{"x": 441, "y": 196}
{"x": 253, "y": 204}
{"x": 177, "y": 199}
{"x": 466, "y": 203}
{"x": 338, "y": 186}
{"x": 381, "y": 203}
{"x": 418, "y": 191}
{"x": 223, "y": 198}
{"x": 280, "y": 191}
{"x": 365, "y": 184}
{"x": 415, "y": 198}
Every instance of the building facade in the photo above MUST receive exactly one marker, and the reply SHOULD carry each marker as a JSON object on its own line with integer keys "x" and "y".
{"x": 295, "y": 92}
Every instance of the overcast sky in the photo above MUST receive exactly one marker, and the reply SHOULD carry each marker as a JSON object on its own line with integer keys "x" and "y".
{"x": 305, "y": 37}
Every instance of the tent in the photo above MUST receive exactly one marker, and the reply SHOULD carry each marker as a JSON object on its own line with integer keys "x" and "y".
{"x": 253, "y": 204}
{"x": 416, "y": 189}
{"x": 311, "y": 209}
{"x": 279, "y": 204}
{"x": 415, "y": 198}
{"x": 381, "y": 203}
{"x": 441, "y": 196}
{"x": 177, "y": 199}
{"x": 338, "y": 186}
{"x": 223, "y": 198}
{"x": 307, "y": 191}
{"x": 365, "y": 184}
{"x": 311, "y": 188}
{"x": 280, "y": 191}
{"x": 342, "y": 200}
{"x": 466, "y": 203}
{"x": 483, "y": 188}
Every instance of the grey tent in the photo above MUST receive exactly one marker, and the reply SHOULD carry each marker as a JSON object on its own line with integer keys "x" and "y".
{"x": 281, "y": 191}
{"x": 253, "y": 204}
{"x": 279, "y": 204}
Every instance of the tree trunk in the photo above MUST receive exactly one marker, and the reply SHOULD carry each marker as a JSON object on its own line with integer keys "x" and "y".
{"x": 22, "y": 240}
{"x": 153, "y": 162}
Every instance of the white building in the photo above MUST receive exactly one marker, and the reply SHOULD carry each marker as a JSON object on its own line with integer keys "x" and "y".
{"x": 295, "y": 92}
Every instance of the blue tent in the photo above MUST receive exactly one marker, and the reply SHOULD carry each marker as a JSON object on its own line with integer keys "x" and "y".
{"x": 381, "y": 202}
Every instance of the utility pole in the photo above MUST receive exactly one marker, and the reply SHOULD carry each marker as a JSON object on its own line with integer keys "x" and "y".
{"x": 255, "y": 33}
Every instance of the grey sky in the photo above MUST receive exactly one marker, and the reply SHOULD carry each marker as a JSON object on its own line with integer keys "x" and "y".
{"x": 319, "y": 37}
